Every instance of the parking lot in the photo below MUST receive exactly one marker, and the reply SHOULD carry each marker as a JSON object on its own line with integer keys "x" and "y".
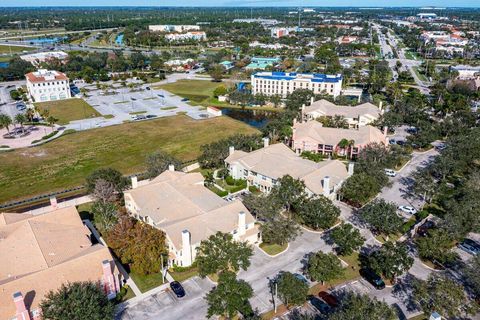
{"x": 165, "y": 305}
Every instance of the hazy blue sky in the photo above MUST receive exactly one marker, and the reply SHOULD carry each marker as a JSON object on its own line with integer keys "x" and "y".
{"x": 272, "y": 3}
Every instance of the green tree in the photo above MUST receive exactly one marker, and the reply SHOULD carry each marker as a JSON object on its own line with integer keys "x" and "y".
{"x": 220, "y": 91}
{"x": 355, "y": 306}
{"x": 359, "y": 189}
{"x": 442, "y": 295}
{"x": 318, "y": 212}
{"x": 216, "y": 72}
{"x": 77, "y": 300}
{"x": 347, "y": 239}
{"x": 291, "y": 290}
{"x": 158, "y": 162}
{"x": 5, "y": 121}
{"x": 324, "y": 267}
{"x": 229, "y": 297}
{"x": 51, "y": 120}
{"x": 382, "y": 216}
{"x": 110, "y": 175}
{"x": 391, "y": 260}
{"x": 289, "y": 191}
{"x": 472, "y": 276}
{"x": 436, "y": 245}
{"x": 20, "y": 118}
{"x": 220, "y": 252}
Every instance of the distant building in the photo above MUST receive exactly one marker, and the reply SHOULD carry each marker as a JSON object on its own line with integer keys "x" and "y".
{"x": 227, "y": 65}
{"x": 356, "y": 117}
{"x": 279, "y": 32}
{"x": 466, "y": 72}
{"x": 427, "y": 16}
{"x": 282, "y": 83}
{"x": 180, "y": 205}
{"x": 190, "y": 35}
{"x": 42, "y": 252}
{"x": 264, "y": 167}
{"x": 259, "y": 63}
{"x": 314, "y": 137}
{"x": 264, "y": 22}
{"x": 37, "y": 58}
{"x": 47, "y": 85}
{"x": 172, "y": 28}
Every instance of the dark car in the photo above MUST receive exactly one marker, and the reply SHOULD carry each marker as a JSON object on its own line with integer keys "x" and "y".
{"x": 150, "y": 116}
{"x": 373, "y": 278}
{"x": 400, "y": 142}
{"x": 320, "y": 305}
{"x": 328, "y": 298}
{"x": 177, "y": 289}
{"x": 185, "y": 99}
{"x": 301, "y": 278}
{"x": 470, "y": 246}
{"x": 424, "y": 227}
{"x": 148, "y": 88}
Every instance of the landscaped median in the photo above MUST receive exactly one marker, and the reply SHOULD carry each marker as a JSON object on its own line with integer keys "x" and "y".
{"x": 273, "y": 249}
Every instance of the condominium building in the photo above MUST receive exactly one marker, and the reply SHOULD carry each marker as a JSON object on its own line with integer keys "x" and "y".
{"x": 357, "y": 116}
{"x": 190, "y": 35}
{"x": 47, "y": 85}
{"x": 282, "y": 83}
{"x": 42, "y": 252}
{"x": 314, "y": 137}
{"x": 172, "y": 28}
{"x": 37, "y": 58}
{"x": 264, "y": 167}
{"x": 180, "y": 205}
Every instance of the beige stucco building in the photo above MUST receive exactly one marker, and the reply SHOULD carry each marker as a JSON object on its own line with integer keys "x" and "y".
{"x": 180, "y": 205}
{"x": 263, "y": 168}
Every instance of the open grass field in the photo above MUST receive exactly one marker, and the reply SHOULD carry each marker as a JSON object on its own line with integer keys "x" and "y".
{"x": 14, "y": 49}
{"x": 66, "y": 161}
{"x": 69, "y": 109}
{"x": 200, "y": 92}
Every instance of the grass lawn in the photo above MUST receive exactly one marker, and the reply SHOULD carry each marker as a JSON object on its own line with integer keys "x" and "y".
{"x": 14, "y": 49}
{"x": 69, "y": 109}
{"x": 66, "y": 161}
{"x": 147, "y": 282}
{"x": 273, "y": 249}
{"x": 187, "y": 273}
{"x": 198, "y": 91}
{"x": 127, "y": 295}
{"x": 391, "y": 237}
{"x": 168, "y": 108}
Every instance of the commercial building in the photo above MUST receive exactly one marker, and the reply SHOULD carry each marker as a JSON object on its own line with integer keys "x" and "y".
{"x": 190, "y": 35}
{"x": 279, "y": 32}
{"x": 427, "y": 16}
{"x": 42, "y": 252}
{"x": 356, "y": 117}
{"x": 258, "y": 63}
{"x": 263, "y": 22}
{"x": 283, "y": 83}
{"x": 180, "y": 205}
{"x": 47, "y": 85}
{"x": 263, "y": 168}
{"x": 314, "y": 137}
{"x": 37, "y": 58}
{"x": 466, "y": 72}
{"x": 172, "y": 28}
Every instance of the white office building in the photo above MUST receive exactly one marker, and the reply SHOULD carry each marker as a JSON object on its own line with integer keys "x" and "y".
{"x": 284, "y": 83}
{"x": 47, "y": 85}
{"x": 172, "y": 28}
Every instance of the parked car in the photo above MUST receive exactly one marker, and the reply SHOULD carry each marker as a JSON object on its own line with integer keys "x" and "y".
{"x": 440, "y": 147}
{"x": 185, "y": 99}
{"x": 374, "y": 279}
{"x": 161, "y": 95}
{"x": 390, "y": 173}
{"x": 319, "y": 305}
{"x": 400, "y": 142}
{"x": 300, "y": 277}
{"x": 328, "y": 298}
{"x": 150, "y": 116}
{"x": 177, "y": 289}
{"x": 408, "y": 209}
{"x": 392, "y": 141}
{"x": 423, "y": 229}
{"x": 469, "y": 246}
{"x": 148, "y": 88}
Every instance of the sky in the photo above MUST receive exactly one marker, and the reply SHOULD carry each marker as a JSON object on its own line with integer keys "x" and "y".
{"x": 247, "y": 3}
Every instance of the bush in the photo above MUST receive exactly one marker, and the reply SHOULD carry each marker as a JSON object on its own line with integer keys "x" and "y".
{"x": 253, "y": 189}
{"x": 421, "y": 215}
{"x": 230, "y": 181}
{"x": 51, "y": 134}
{"x": 69, "y": 131}
{"x": 408, "y": 225}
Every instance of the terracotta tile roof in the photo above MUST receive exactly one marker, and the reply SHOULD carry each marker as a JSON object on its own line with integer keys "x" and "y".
{"x": 36, "y": 77}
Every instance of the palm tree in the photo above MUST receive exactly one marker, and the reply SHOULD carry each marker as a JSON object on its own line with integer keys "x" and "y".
{"x": 5, "y": 121}
{"x": 344, "y": 144}
{"x": 20, "y": 118}
{"x": 51, "y": 121}
{"x": 45, "y": 113}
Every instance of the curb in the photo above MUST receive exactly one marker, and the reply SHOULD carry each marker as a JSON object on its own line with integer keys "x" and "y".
{"x": 275, "y": 255}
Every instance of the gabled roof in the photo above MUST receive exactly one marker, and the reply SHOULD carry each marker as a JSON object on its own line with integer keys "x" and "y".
{"x": 330, "y": 109}
{"x": 178, "y": 201}
{"x": 332, "y": 136}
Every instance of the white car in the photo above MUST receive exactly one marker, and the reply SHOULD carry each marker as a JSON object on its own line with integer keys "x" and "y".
{"x": 407, "y": 209}
{"x": 390, "y": 173}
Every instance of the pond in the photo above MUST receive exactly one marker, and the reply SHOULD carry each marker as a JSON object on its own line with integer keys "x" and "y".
{"x": 255, "y": 118}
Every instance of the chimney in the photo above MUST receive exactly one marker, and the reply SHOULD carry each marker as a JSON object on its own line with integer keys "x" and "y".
{"x": 302, "y": 114}
{"x": 186, "y": 248}
{"x": 134, "y": 182}
{"x": 385, "y": 131}
{"x": 266, "y": 141}
{"x": 171, "y": 167}
{"x": 241, "y": 223}
{"x": 297, "y": 152}
{"x": 312, "y": 100}
{"x": 380, "y": 106}
{"x": 108, "y": 279}
{"x": 231, "y": 150}
{"x": 294, "y": 121}
{"x": 53, "y": 202}
{"x": 21, "y": 312}
{"x": 351, "y": 166}
{"x": 326, "y": 186}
